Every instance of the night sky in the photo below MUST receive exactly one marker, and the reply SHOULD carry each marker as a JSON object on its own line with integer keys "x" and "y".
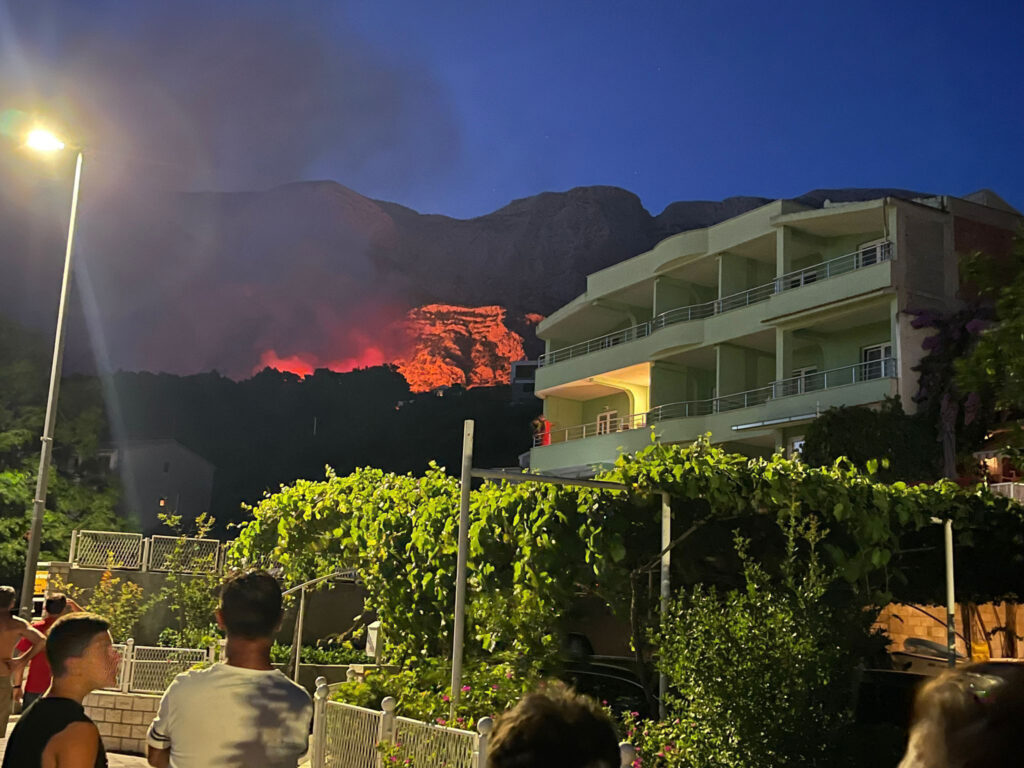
{"x": 458, "y": 108}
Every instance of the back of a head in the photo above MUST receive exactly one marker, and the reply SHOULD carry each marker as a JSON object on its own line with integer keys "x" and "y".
{"x": 55, "y": 604}
{"x": 69, "y": 637}
{"x": 554, "y": 728}
{"x": 7, "y": 596}
{"x": 969, "y": 718}
{"x": 250, "y": 605}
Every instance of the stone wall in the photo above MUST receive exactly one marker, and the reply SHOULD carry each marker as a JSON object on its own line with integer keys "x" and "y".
{"x": 122, "y": 719}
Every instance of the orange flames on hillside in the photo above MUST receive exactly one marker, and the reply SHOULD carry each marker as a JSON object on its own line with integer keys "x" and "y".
{"x": 446, "y": 345}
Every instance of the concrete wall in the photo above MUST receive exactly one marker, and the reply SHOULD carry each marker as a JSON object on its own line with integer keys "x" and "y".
{"x": 328, "y": 612}
{"x": 591, "y": 409}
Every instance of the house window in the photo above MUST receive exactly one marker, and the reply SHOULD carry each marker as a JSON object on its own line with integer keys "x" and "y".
{"x": 875, "y": 361}
{"x": 868, "y": 253}
{"x": 796, "y": 446}
{"x": 607, "y": 422}
{"x": 167, "y": 467}
{"x": 804, "y": 380}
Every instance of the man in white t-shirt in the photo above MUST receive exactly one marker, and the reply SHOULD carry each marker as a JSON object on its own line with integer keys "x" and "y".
{"x": 242, "y": 712}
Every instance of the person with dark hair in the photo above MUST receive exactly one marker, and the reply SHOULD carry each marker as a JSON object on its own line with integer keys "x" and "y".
{"x": 55, "y": 731}
{"x": 554, "y": 728}
{"x": 242, "y": 712}
{"x": 39, "y": 676}
{"x": 13, "y": 629}
{"x": 969, "y": 717}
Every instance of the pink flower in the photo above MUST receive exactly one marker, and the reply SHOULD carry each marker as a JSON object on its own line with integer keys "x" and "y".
{"x": 465, "y": 688}
{"x": 440, "y": 721}
{"x": 444, "y": 697}
{"x": 508, "y": 675}
{"x": 494, "y": 686}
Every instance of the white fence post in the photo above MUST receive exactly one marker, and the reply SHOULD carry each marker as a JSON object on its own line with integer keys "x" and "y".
{"x": 319, "y": 746}
{"x": 145, "y": 554}
{"x": 484, "y": 727}
{"x": 71, "y": 549}
{"x": 386, "y": 733}
{"x": 627, "y": 754}
{"x": 126, "y": 665}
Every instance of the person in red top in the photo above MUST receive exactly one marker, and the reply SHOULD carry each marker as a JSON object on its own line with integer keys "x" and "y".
{"x": 39, "y": 675}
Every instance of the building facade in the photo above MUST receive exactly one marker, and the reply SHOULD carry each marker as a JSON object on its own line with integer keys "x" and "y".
{"x": 161, "y": 476}
{"x": 752, "y": 327}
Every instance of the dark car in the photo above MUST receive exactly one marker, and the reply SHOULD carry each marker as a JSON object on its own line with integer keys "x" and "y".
{"x": 612, "y": 680}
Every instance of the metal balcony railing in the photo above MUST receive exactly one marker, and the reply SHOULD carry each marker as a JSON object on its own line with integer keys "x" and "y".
{"x": 841, "y": 265}
{"x": 797, "y": 385}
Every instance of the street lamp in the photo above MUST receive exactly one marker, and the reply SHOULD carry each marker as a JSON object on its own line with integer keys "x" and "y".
{"x": 41, "y": 140}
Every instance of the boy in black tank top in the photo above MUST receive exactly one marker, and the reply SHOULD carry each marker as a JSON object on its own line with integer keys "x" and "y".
{"x": 55, "y": 730}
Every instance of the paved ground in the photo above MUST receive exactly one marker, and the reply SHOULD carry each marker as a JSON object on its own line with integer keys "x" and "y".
{"x": 116, "y": 761}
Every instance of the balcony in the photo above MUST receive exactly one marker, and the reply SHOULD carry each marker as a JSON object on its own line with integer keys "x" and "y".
{"x": 885, "y": 368}
{"x": 841, "y": 265}
{"x": 1013, "y": 491}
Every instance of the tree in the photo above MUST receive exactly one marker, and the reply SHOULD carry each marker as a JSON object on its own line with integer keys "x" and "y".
{"x": 905, "y": 446}
{"x": 994, "y": 364}
{"x": 80, "y": 494}
{"x": 761, "y": 675}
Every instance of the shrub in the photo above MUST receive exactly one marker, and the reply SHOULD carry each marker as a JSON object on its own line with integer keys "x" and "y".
{"x": 423, "y": 692}
{"x": 760, "y": 676}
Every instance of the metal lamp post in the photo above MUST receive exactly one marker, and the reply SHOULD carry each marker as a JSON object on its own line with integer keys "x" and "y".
{"x": 43, "y": 141}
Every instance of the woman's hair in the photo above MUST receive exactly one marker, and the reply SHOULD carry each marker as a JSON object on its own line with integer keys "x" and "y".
{"x": 969, "y": 718}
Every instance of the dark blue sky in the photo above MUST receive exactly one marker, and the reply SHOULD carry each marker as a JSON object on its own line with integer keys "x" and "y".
{"x": 459, "y": 107}
{"x": 681, "y": 100}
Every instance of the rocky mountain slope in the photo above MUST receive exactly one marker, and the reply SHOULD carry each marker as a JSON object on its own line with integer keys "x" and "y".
{"x": 317, "y": 274}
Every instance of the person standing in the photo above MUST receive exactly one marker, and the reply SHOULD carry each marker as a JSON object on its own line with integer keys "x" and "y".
{"x": 55, "y": 731}
{"x": 243, "y": 712}
{"x": 13, "y": 629}
{"x": 39, "y": 674}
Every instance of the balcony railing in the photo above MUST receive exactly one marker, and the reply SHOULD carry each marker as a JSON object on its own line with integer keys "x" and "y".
{"x": 1013, "y": 491}
{"x": 865, "y": 257}
{"x": 797, "y": 385}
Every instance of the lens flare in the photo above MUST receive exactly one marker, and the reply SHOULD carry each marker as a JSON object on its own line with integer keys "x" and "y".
{"x": 43, "y": 141}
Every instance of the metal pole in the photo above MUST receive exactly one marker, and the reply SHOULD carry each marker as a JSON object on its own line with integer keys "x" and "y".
{"x": 297, "y": 642}
{"x": 666, "y": 585}
{"x": 950, "y": 599}
{"x": 39, "y": 503}
{"x": 460, "y": 571}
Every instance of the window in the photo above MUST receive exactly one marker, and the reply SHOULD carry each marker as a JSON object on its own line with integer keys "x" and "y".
{"x": 875, "y": 362}
{"x": 167, "y": 467}
{"x": 607, "y": 422}
{"x": 869, "y": 253}
{"x": 804, "y": 380}
{"x": 796, "y": 446}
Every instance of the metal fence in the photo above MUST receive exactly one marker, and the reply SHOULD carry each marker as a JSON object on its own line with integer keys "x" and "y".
{"x": 100, "y": 549}
{"x": 133, "y": 552}
{"x": 150, "y": 669}
{"x": 346, "y": 736}
{"x": 184, "y": 555}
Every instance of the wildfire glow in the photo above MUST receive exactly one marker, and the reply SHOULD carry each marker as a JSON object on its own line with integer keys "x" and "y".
{"x": 443, "y": 345}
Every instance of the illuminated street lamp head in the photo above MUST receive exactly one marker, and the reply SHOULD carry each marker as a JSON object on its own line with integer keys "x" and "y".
{"x": 43, "y": 141}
